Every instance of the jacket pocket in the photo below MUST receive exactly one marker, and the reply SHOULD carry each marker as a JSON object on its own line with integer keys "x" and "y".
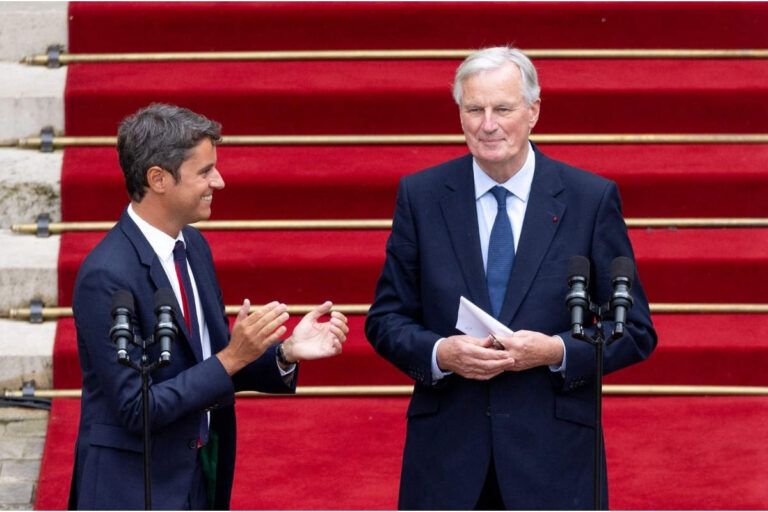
{"x": 423, "y": 403}
{"x": 113, "y": 436}
{"x": 575, "y": 410}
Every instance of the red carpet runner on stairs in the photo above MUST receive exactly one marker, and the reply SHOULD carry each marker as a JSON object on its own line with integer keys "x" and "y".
{"x": 345, "y": 453}
{"x": 663, "y": 453}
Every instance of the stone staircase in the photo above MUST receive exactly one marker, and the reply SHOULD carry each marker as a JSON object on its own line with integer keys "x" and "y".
{"x": 30, "y": 98}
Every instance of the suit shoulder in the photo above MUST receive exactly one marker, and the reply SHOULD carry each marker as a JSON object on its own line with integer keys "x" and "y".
{"x": 438, "y": 173}
{"x": 114, "y": 246}
{"x": 573, "y": 176}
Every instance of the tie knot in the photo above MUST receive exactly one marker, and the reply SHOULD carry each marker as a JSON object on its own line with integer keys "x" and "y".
{"x": 500, "y": 193}
{"x": 178, "y": 251}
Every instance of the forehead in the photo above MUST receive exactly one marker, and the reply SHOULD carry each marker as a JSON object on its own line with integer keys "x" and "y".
{"x": 204, "y": 153}
{"x": 502, "y": 84}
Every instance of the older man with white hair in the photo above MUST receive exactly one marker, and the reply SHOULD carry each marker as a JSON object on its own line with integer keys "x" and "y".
{"x": 507, "y": 422}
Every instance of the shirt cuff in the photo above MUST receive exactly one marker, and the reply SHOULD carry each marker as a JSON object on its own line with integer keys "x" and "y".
{"x": 286, "y": 374}
{"x": 560, "y": 368}
{"x": 437, "y": 373}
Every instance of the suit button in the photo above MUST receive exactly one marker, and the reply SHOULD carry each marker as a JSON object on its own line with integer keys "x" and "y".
{"x": 488, "y": 411}
{"x": 192, "y": 444}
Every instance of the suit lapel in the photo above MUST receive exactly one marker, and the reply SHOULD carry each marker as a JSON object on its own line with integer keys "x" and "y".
{"x": 206, "y": 291}
{"x": 543, "y": 215}
{"x": 460, "y": 214}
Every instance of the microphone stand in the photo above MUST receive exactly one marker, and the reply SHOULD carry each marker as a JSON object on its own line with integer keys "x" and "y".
{"x": 144, "y": 367}
{"x": 598, "y": 340}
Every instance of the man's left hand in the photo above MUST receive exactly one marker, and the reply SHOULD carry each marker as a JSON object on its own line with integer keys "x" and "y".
{"x": 312, "y": 339}
{"x": 530, "y": 349}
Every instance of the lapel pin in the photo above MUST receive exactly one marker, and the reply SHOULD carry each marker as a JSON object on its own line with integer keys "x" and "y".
{"x": 554, "y": 219}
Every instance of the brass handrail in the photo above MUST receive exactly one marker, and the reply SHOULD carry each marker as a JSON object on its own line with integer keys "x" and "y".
{"x": 405, "y": 390}
{"x": 660, "y": 308}
{"x": 58, "y": 142}
{"x": 378, "y": 224}
{"x": 63, "y": 58}
{"x": 224, "y": 225}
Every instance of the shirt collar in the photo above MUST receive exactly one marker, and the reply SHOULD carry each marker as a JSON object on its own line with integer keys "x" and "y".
{"x": 519, "y": 184}
{"x": 160, "y": 242}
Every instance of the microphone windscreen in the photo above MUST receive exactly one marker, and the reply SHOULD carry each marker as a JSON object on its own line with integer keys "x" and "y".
{"x": 122, "y": 299}
{"x": 578, "y": 266}
{"x": 622, "y": 267}
{"x": 164, "y": 297}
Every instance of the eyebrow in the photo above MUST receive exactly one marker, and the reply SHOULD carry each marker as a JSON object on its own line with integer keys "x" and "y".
{"x": 207, "y": 168}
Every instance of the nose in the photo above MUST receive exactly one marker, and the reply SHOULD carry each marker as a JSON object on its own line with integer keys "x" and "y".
{"x": 217, "y": 182}
{"x": 489, "y": 121}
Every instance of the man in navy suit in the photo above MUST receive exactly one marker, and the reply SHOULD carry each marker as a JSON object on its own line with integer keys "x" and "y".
{"x": 511, "y": 427}
{"x": 168, "y": 157}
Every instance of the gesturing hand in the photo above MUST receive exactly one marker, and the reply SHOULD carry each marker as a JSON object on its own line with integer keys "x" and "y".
{"x": 312, "y": 339}
{"x": 252, "y": 334}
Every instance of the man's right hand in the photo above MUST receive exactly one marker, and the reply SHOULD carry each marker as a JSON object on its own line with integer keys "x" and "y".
{"x": 473, "y": 358}
{"x": 253, "y": 334}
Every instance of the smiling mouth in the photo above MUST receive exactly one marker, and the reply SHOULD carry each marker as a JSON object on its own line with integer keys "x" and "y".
{"x": 209, "y": 197}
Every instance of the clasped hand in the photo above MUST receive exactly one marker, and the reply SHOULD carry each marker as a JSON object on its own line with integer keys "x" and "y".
{"x": 253, "y": 333}
{"x": 475, "y": 358}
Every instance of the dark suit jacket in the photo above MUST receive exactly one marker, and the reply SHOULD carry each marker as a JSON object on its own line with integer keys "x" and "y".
{"x": 538, "y": 425}
{"x": 108, "y": 471}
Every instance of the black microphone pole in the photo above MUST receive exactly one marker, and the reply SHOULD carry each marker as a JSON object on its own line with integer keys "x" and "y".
{"x": 121, "y": 334}
{"x": 578, "y": 301}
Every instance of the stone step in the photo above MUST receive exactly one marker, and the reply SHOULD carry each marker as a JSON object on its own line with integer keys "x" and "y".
{"x": 28, "y": 268}
{"x": 30, "y": 184}
{"x": 26, "y": 353}
{"x": 30, "y": 97}
{"x": 29, "y": 27}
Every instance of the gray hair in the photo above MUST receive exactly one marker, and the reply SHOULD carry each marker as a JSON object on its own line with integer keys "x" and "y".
{"x": 489, "y": 59}
{"x": 163, "y": 136}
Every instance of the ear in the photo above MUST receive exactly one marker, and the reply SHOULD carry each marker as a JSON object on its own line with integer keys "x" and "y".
{"x": 157, "y": 179}
{"x": 533, "y": 113}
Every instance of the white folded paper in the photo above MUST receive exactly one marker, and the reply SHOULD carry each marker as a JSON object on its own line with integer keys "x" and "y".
{"x": 475, "y": 322}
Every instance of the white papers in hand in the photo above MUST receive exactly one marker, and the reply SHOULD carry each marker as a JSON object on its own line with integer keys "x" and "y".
{"x": 475, "y": 322}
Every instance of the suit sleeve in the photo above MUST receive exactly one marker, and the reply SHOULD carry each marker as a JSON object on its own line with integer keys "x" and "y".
{"x": 393, "y": 325}
{"x": 610, "y": 240}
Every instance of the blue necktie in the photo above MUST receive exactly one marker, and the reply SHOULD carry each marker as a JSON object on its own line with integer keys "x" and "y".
{"x": 501, "y": 252}
{"x": 190, "y": 317}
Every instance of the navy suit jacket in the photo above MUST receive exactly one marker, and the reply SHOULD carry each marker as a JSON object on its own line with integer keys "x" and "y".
{"x": 108, "y": 471}
{"x": 537, "y": 425}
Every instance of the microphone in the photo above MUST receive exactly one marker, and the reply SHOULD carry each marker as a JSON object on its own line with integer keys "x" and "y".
{"x": 121, "y": 332}
{"x": 165, "y": 329}
{"x": 622, "y": 272}
{"x": 577, "y": 299}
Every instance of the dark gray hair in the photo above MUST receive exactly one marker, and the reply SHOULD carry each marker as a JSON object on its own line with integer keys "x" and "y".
{"x": 159, "y": 135}
{"x": 489, "y": 59}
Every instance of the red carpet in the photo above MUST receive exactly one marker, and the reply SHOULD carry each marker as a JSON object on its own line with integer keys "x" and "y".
{"x": 361, "y": 181}
{"x": 669, "y": 453}
{"x": 692, "y": 350}
{"x": 674, "y": 265}
{"x": 157, "y": 26}
{"x": 391, "y": 97}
